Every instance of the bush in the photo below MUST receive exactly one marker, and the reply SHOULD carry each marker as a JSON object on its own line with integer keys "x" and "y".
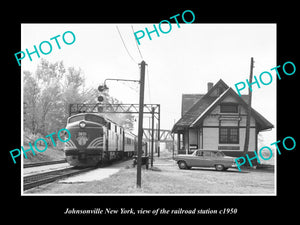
{"x": 28, "y": 136}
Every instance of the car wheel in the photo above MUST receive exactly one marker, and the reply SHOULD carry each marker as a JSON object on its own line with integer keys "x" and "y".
{"x": 182, "y": 165}
{"x": 219, "y": 167}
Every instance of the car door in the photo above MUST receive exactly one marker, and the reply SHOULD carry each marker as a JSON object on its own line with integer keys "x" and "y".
{"x": 198, "y": 160}
{"x": 207, "y": 160}
{"x": 195, "y": 158}
{"x": 217, "y": 158}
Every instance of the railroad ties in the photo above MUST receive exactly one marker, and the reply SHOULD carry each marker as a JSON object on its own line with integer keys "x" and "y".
{"x": 35, "y": 180}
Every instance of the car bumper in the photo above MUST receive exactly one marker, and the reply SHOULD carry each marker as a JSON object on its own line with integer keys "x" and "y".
{"x": 234, "y": 165}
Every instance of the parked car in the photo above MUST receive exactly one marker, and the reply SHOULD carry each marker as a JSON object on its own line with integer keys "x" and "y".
{"x": 206, "y": 158}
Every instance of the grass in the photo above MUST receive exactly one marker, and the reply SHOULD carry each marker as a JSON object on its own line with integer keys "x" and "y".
{"x": 50, "y": 154}
{"x": 166, "y": 178}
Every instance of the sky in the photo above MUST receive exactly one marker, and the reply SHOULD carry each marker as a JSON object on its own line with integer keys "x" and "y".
{"x": 180, "y": 62}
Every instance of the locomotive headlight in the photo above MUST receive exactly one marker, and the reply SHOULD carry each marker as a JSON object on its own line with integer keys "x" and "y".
{"x": 82, "y": 124}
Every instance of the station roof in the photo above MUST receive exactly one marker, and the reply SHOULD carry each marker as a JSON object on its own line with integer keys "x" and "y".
{"x": 207, "y": 102}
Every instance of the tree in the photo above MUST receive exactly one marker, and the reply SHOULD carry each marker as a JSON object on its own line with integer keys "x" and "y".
{"x": 48, "y": 93}
{"x": 31, "y": 98}
{"x": 49, "y": 77}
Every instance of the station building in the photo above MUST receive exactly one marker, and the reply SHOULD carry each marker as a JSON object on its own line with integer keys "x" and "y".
{"x": 217, "y": 120}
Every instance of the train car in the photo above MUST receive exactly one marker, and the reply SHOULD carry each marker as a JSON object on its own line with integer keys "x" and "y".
{"x": 130, "y": 144}
{"x": 96, "y": 140}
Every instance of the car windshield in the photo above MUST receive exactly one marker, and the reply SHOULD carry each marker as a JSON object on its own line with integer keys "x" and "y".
{"x": 87, "y": 117}
{"x": 76, "y": 118}
{"x": 95, "y": 118}
{"x": 198, "y": 153}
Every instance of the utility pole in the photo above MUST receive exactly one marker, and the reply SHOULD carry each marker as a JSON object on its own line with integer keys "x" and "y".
{"x": 152, "y": 136}
{"x": 158, "y": 133}
{"x": 140, "y": 131}
{"x": 246, "y": 145}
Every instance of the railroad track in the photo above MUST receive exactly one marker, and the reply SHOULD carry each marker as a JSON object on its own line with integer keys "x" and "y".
{"x": 35, "y": 180}
{"x": 43, "y": 163}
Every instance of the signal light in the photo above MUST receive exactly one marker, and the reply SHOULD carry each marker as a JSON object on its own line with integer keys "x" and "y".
{"x": 100, "y": 98}
{"x": 102, "y": 88}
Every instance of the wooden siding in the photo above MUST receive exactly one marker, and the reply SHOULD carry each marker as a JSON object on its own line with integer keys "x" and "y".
{"x": 211, "y": 139}
{"x": 213, "y": 121}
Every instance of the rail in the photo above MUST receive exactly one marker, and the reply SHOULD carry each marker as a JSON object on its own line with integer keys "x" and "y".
{"x": 35, "y": 180}
{"x": 43, "y": 163}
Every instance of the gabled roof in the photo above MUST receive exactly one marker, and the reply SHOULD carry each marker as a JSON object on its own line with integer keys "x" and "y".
{"x": 188, "y": 100}
{"x": 189, "y": 117}
{"x": 195, "y": 115}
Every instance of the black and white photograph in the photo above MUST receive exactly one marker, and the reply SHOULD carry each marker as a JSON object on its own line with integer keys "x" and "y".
{"x": 203, "y": 130}
{"x": 168, "y": 113}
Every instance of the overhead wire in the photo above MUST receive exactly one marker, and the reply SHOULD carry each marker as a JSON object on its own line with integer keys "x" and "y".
{"x": 148, "y": 79}
{"x": 125, "y": 45}
{"x": 137, "y": 44}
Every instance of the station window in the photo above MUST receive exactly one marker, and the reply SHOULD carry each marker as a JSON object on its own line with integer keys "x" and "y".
{"x": 229, "y": 108}
{"x": 229, "y": 135}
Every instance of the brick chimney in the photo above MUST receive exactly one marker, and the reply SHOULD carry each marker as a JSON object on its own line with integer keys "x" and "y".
{"x": 209, "y": 86}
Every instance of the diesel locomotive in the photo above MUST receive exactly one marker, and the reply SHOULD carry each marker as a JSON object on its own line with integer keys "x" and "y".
{"x": 96, "y": 140}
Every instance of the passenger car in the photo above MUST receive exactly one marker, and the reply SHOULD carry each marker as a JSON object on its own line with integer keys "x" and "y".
{"x": 206, "y": 158}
